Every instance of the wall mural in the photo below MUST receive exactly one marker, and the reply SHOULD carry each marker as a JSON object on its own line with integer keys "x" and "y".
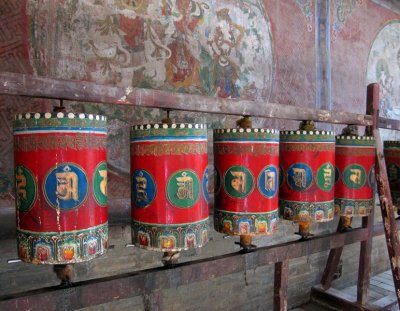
{"x": 342, "y": 10}
{"x": 213, "y": 48}
{"x": 307, "y": 8}
{"x": 384, "y": 68}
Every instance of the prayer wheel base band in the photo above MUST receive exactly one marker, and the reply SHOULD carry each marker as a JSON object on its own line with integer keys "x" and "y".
{"x": 235, "y": 223}
{"x": 170, "y": 238}
{"x": 62, "y": 248}
{"x": 350, "y": 207}
{"x": 307, "y": 211}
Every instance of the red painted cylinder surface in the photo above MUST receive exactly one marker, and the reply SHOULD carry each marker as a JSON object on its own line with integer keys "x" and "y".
{"x": 246, "y": 181}
{"x": 354, "y": 175}
{"x": 307, "y": 163}
{"x": 61, "y": 187}
{"x": 169, "y": 177}
{"x": 392, "y": 159}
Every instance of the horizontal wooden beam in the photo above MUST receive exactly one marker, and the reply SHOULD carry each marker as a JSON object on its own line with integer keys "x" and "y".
{"x": 84, "y": 294}
{"x": 33, "y": 86}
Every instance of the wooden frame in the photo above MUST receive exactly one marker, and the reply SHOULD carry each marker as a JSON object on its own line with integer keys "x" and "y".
{"x": 147, "y": 280}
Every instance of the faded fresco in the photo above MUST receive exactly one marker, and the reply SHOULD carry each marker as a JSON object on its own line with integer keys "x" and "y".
{"x": 214, "y": 48}
{"x": 384, "y": 68}
{"x": 342, "y": 11}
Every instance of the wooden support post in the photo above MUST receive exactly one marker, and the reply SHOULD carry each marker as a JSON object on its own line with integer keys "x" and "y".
{"x": 280, "y": 288}
{"x": 332, "y": 263}
{"x": 385, "y": 198}
{"x": 364, "y": 267}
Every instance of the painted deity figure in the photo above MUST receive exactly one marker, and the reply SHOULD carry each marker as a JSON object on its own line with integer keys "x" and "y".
{"x": 103, "y": 183}
{"x": 270, "y": 180}
{"x": 141, "y": 186}
{"x": 239, "y": 181}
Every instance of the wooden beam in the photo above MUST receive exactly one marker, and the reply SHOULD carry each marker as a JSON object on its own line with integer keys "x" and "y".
{"x": 32, "y": 86}
{"x": 280, "y": 287}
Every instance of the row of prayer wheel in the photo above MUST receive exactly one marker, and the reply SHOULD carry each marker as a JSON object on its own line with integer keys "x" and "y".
{"x": 61, "y": 183}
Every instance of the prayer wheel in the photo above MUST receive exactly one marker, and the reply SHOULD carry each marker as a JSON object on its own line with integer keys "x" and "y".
{"x": 246, "y": 182}
{"x": 392, "y": 159}
{"x": 169, "y": 178}
{"x": 307, "y": 164}
{"x": 61, "y": 187}
{"x": 354, "y": 177}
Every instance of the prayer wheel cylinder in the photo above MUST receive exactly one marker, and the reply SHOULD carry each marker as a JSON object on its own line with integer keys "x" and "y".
{"x": 169, "y": 178}
{"x": 307, "y": 164}
{"x": 246, "y": 181}
{"x": 61, "y": 187}
{"x": 354, "y": 175}
{"x": 392, "y": 159}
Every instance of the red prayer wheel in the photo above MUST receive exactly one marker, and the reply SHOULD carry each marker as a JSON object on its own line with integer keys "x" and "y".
{"x": 307, "y": 164}
{"x": 392, "y": 159}
{"x": 61, "y": 187}
{"x": 354, "y": 175}
{"x": 169, "y": 178}
{"x": 246, "y": 181}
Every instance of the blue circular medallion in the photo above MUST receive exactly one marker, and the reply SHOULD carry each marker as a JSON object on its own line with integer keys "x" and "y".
{"x": 143, "y": 188}
{"x": 66, "y": 186}
{"x": 299, "y": 177}
{"x": 268, "y": 181}
{"x": 205, "y": 185}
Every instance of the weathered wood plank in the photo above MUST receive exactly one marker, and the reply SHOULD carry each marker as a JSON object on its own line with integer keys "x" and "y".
{"x": 385, "y": 199}
{"x": 32, "y": 86}
{"x": 332, "y": 263}
{"x": 280, "y": 285}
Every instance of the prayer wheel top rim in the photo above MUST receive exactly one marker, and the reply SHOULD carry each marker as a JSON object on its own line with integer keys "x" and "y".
{"x": 59, "y": 115}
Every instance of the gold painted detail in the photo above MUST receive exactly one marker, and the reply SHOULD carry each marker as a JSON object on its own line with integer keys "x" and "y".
{"x": 243, "y": 149}
{"x": 67, "y": 185}
{"x": 185, "y": 187}
{"x": 349, "y": 151}
{"x": 394, "y": 153}
{"x": 161, "y": 149}
{"x": 74, "y": 142}
{"x": 313, "y": 147}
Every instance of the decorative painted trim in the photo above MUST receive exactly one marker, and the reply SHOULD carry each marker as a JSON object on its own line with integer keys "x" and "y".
{"x": 169, "y": 126}
{"x": 169, "y": 131}
{"x": 357, "y": 141}
{"x": 307, "y": 136}
{"x": 306, "y": 211}
{"x": 58, "y": 121}
{"x": 62, "y": 247}
{"x": 246, "y": 135}
{"x": 59, "y": 115}
{"x": 77, "y": 141}
{"x": 391, "y": 143}
{"x": 354, "y": 208}
{"x": 236, "y": 223}
{"x": 255, "y": 149}
{"x": 172, "y": 237}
